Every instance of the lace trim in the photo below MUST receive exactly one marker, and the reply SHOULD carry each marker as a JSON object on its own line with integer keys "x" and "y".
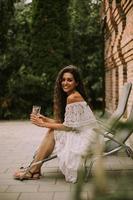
{"x": 78, "y": 114}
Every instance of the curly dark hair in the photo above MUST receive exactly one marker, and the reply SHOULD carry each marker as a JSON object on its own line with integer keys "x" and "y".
{"x": 60, "y": 96}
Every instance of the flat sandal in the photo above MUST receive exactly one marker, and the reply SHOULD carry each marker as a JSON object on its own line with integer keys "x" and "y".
{"x": 27, "y": 175}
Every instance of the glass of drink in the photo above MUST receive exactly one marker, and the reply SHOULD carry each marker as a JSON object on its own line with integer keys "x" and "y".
{"x": 36, "y": 109}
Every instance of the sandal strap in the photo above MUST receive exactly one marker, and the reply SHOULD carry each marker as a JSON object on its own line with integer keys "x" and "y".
{"x": 31, "y": 175}
{"x": 34, "y": 173}
{"x": 26, "y": 168}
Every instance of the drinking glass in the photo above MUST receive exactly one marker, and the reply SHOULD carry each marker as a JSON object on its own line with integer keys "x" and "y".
{"x": 36, "y": 109}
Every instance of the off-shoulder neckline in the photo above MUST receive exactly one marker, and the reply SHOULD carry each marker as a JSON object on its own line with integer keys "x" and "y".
{"x": 78, "y": 102}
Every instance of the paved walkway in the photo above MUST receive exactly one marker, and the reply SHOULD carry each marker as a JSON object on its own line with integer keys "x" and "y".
{"x": 18, "y": 141}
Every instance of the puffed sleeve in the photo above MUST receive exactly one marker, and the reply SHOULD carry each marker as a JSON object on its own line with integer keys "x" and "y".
{"x": 78, "y": 115}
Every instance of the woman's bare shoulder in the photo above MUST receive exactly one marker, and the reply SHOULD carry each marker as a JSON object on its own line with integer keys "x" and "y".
{"x": 74, "y": 97}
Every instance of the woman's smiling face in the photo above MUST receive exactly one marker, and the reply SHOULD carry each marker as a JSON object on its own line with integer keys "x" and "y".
{"x": 68, "y": 83}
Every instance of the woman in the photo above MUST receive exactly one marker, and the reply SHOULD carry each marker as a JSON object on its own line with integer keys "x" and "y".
{"x": 70, "y": 133}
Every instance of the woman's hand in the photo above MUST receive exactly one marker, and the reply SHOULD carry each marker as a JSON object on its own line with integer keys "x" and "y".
{"x": 40, "y": 121}
{"x": 37, "y": 120}
{"x": 42, "y": 117}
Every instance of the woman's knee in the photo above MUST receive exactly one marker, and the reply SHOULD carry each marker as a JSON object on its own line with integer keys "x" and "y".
{"x": 50, "y": 131}
{"x": 50, "y": 134}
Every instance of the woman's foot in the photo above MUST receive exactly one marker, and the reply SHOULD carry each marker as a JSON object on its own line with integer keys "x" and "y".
{"x": 27, "y": 175}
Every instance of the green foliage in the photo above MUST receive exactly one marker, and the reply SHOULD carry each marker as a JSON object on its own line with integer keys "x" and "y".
{"x": 86, "y": 44}
{"x": 36, "y": 41}
{"x": 50, "y": 30}
{"x": 24, "y": 90}
{"x": 16, "y": 54}
{"x": 50, "y": 41}
{"x": 6, "y": 13}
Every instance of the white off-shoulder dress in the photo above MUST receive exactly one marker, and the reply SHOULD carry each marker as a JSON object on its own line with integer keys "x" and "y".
{"x": 77, "y": 140}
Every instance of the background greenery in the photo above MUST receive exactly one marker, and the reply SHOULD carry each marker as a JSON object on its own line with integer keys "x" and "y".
{"x": 36, "y": 41}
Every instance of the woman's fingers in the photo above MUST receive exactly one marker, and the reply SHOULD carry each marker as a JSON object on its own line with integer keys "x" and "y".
{"x": 32, "y": 116}
{"x": 40, "y": 116}
{"x": 35, "y": 119}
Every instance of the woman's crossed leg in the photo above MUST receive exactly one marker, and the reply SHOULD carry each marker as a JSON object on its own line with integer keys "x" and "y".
{"x": 45, "y": 149}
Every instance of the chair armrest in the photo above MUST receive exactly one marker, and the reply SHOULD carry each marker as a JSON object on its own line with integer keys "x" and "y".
{"x": 107, "y": 128}
{"x": 110, "y": 137}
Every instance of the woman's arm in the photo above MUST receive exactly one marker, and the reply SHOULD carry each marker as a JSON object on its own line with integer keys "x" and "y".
{"x": 39, "y": 121}
{"x": 46, "y": 122}
{"x": 47, "y": 119}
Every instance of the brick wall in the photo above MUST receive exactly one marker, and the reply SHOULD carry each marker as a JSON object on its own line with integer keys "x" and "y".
{"x": 117, "y": 18}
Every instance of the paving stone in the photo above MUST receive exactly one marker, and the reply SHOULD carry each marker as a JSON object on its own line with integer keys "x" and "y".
{"x": 85, "y": 188}
{"x": 54, "y": 188}
{"x": 42, "y": 181}
{"x": 3, "y": 188}
{"x": 37, "y": 196}
{"x": 46, "y": 169}
{"x": 68, "y": 196}
{"x": 18, "y": 145}
{"x": 22, "y": 188}
{"x": 11, "y": 182}
{"x": 63, "y": 196}
{"x": 61, "y": 180}
{"x": 9, "y": 196}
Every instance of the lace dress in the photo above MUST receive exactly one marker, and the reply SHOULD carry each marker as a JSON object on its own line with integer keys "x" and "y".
{"x": 77, "y": 140}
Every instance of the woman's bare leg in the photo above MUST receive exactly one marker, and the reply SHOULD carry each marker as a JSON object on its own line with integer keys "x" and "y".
{"x": 45, "y": 149}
